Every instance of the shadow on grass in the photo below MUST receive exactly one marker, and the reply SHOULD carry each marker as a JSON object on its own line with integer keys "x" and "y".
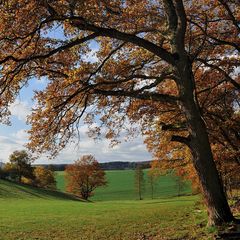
{"x": 170, "y": 199}
{"x": 17, "y": 190}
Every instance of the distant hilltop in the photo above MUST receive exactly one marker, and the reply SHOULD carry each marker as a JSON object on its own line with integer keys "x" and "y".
{"x": 105, "y": 166}
{"x": 124, "y": 165}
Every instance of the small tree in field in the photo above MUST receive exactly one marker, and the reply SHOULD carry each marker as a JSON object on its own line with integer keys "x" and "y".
{"x": 84, "y": 176}
{"x": 152, "y": 178}
{"x": 44, "y": 178}
{"x": 20, "y": 164}
{"x": 139, "y": 181}
{"x": 180, "y": 185}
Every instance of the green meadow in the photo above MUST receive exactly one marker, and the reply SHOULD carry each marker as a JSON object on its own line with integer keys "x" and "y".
{"x": 121, "y": 186}
{"x": 114, "y": 213}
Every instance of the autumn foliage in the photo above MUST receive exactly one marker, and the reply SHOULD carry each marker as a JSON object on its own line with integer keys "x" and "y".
{"x": 19, "y": 167}
{"x": 169, "y": 66}
{"x": 84, "y": 176}
{"x": 44, "y": 178}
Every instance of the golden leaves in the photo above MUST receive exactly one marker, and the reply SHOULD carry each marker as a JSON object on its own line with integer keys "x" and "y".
{"x": 84, "y": 176}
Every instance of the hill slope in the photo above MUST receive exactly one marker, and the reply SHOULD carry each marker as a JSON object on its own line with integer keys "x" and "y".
{"x": 10, "y": 190}
{"x": 32, "y": 213}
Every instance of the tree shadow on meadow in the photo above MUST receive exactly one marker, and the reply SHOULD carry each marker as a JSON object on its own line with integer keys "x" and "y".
{"x": 9, "y": 189}
{"x": 171, "y": 199}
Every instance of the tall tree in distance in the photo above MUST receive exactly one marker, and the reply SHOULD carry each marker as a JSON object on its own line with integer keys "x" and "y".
{"x": 153, "y": 175}
{"x": 180, "y": 183}
{"x": 173, "y": 57}
{"x": 151, "y": 181}
{"x": 139, "y": 181}
{"x": 84, "y": 176}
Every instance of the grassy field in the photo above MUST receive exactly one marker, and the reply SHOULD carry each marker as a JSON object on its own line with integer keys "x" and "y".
{"x": 28, "y": 213}
{"x": 121, "y": 186}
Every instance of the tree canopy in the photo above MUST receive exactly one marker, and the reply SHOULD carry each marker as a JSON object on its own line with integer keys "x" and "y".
{"x": 169, "y": 65}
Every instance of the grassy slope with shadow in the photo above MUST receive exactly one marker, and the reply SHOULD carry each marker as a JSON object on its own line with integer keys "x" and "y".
{"x": 29, "y": 213}
{"x": 10, "y": 190}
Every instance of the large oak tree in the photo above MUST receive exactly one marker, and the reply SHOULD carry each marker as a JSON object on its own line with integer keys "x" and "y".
{"x": 148, "y": 53}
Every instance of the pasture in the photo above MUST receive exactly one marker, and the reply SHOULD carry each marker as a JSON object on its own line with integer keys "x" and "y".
{"x": 121, "y": 186}
{"x": 29, "y": 213}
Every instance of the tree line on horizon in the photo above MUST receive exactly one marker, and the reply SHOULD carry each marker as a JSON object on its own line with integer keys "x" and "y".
{"x": 82, "y": 177}
{"x": 116, "y": 165}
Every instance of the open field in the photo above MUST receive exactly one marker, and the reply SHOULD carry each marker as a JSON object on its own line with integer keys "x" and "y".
{"x": 121, "y": 186}
{"x": 28, "y": 213}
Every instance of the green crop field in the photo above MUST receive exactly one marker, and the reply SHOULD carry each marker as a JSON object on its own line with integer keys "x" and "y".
{"x": 121, "y": 186}
{"x": 29, "y": 213}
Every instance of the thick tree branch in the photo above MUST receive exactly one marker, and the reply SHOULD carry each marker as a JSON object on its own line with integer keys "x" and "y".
{"x": 171, "y": 15}
{"x": 174, "y": 127}
{"x": 143, "y": 96}
{"x": 180, "y": 139}
{"x": 82, "y": 24}
{"x": 182, "y": 24}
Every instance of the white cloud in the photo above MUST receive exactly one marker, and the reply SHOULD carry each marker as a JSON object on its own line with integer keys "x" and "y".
{"x": 7, "y": 146}
{"x": 20, "y": 109}
{"x": 133, "y": 150}
{"x": 21, "y": 136}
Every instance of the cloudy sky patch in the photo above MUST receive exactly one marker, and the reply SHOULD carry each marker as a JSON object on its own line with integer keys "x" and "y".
{"x": 14, "y": 137}
{"x": 20, "y": 109}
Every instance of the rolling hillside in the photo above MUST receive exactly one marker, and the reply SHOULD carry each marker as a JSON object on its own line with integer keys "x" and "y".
{"x": 121, "y": 186}
{"x": 11, "y": 191}
{"x": 28, "y": 214}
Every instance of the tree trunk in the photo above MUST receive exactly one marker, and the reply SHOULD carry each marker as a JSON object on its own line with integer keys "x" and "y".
{"x": 215, "y": 198}
{"x": 212, "y": 188}
{"x": 151, "y": 187}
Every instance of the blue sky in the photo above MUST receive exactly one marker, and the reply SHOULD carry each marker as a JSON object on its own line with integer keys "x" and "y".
{"x": 14, "y": 137}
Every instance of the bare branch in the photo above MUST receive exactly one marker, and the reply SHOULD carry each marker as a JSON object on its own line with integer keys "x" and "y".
{"x": 227, "y": 8}
{"x": 228, "y": 78}
{"x": 68, "y": 45}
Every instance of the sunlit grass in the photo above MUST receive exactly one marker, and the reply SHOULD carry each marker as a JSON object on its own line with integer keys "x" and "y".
{"x": 48, "y": 217}
{"x": 121, "y": 186}
{"x": 30, "y": 213}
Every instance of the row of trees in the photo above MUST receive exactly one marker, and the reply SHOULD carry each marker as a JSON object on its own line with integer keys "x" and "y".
{"x": 153, "y": 177}
{"x": 180, "y": 162}
{"x": 20, "y": 169}
{"x": 85, "y": 175}
{"x": 82, "y": 177}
